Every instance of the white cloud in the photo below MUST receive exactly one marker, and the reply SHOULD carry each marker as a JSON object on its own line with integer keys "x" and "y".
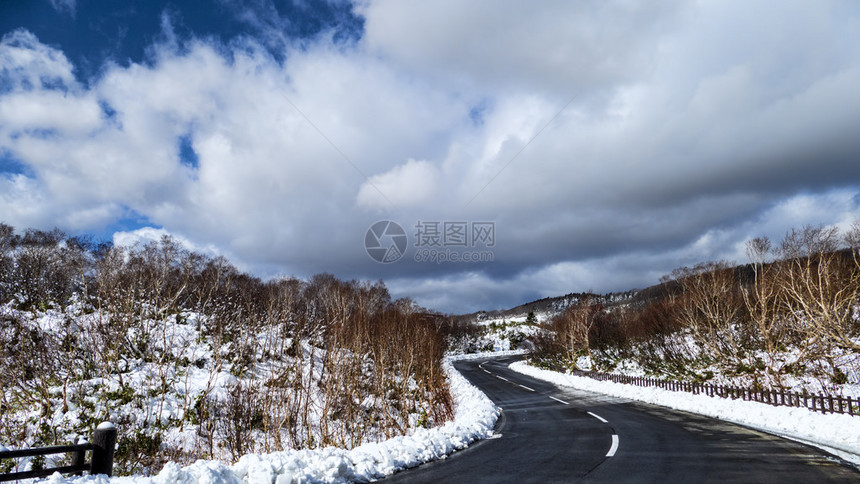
{"x": 694, "y": 124}
{"x": 406, "y": 185}
{"x": 68, "y": 6}
{"x": 29, "y": 64}
{"x": 47, "y": 114}
{"x": 560, "y": 46}
{"x": 23, "y": 200}
{"x": 148, "y": 235}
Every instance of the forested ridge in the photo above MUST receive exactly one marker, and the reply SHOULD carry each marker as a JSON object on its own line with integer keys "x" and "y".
{"x": 786, "y": 319}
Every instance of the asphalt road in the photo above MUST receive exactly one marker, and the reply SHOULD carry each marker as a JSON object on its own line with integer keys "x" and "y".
{"x": 546, "y": 434}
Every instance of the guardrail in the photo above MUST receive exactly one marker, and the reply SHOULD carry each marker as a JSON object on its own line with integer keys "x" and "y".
{"x": 779, "y": 398}
{"x": 101, "y": 461}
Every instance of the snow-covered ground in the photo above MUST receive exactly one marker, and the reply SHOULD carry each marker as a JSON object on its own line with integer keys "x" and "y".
{"x": 501, "y": 334}
{"x": 170, "y": 397}
{"x": 838, "y": 434}
{"x": 474, "y": 418}
{"x": 797, "y": 371}
{"x": 489, "y": 354}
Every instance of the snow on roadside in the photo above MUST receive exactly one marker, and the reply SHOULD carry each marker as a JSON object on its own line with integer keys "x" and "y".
{"x": 838, "y": 434}
{"x": 475, "y": 416}
{"x": 486, "y": 354}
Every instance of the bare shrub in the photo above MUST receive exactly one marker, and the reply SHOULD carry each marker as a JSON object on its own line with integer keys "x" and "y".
{"x": 571, "y": 329}
{"x": 712, "y": 308}
{"x": 762, "y": 299}
{"x": 820, "y": 287}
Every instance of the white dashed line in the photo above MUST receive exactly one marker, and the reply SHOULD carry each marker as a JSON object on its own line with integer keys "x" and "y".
{"x": 614, "y": 447}
{"x": 558, "y": 400}
{"x": 598, "y": 417}
{"x": 501, "y": 378}
{"x": 527, "y": 388}
{"x": 486, "y": 371}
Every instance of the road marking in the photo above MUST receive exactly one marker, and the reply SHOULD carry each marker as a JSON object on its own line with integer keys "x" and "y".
{"x": 527, "y": 388}
{"x": 598, "y": 417}
{"x": 558, "y": 400}
{"x": 614, "y": 447}
{"x": 501, "y": 378}
{"x": 486, "y": 370}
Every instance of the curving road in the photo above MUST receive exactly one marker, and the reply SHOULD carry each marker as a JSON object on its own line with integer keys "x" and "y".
{"x": 548, "y": 434}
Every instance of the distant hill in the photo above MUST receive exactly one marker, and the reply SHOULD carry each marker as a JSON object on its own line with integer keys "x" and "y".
{"x": 556, "y": 304}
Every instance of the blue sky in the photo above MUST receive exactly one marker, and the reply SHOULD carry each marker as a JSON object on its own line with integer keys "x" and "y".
{"x": 607, "y": 142}
{"x": 92, "y": 32}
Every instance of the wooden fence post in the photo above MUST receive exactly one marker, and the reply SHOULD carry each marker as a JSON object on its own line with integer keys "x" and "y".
{"x": 79, "y": 458}
{"x": 776, "y": 397}
{"x": 104, "y": 440}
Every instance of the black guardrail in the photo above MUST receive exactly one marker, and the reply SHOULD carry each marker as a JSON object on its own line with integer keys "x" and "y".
{"x": 101, "y": 459}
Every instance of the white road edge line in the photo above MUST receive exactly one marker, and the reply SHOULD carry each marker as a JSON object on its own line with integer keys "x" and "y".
{"x": 614, "y": 447}
{"x": 558, "y": 400}
{"x": 598, "y": 417}
{"x": 527, "y": 388}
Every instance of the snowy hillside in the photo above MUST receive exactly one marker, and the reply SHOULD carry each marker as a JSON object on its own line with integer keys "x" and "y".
{"x": 496, "y": 334}
{"x": 474, "y": 418}
{"x": 192, "y": 359}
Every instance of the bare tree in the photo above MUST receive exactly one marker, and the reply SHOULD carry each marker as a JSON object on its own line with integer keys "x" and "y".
{"x": 711, "y": 306}
{"x": 572, "y": 328}
{"x": 821, "y": 287}
{"x": 762, "y": 300}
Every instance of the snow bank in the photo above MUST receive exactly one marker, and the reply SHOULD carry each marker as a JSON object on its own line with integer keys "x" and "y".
{"x": 486, "y": 354}
{"x": 839, "y": 434}
{"x": 474, "y": 418}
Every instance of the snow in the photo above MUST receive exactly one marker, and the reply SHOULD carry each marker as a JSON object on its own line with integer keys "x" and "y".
{"x": 796, "y": 369}
{"x": 838, "y": 434}
{"x": 158, "y": 391}
{"x": 488, "y": 354}
{"x": 475, "y": 416}
{"x": 499, "y": 335}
